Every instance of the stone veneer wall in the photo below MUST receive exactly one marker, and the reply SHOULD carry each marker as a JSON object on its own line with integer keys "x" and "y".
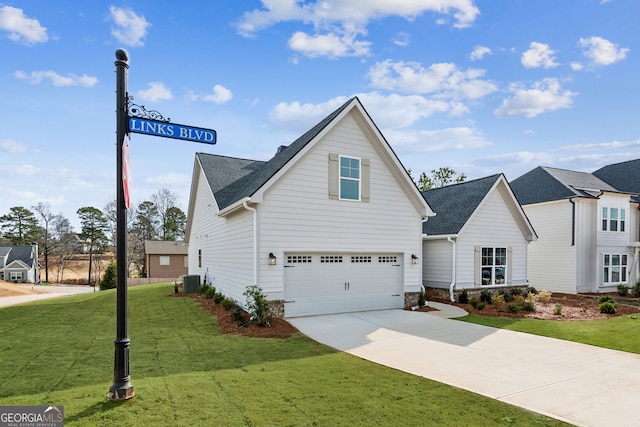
{"x": 276, "y": 307}
{"x": 442, "y": 294}
{"x": 411, "y": 298}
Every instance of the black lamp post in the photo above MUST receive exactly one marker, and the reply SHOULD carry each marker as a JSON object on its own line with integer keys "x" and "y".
{"x": 121, "y": 389}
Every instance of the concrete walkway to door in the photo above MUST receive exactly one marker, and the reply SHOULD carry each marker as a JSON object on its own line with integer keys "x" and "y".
{"x": 577, "y": 383}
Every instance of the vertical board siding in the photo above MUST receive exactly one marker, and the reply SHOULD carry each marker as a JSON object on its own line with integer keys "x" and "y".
{"x": 552, "y": 259}
{"x": 297, "y": 214}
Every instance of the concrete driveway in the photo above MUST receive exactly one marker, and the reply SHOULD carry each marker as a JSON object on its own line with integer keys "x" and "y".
{"x": 577, "y": 383}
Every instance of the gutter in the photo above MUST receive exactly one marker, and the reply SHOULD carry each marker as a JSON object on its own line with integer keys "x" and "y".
{"x": 234, "y": 207}
{"x": 255, "y": 239}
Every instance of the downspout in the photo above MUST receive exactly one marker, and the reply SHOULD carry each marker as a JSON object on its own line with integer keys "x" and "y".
{"x": 573, "y": 222}
{"x": 255, "y": 241}
{"x": 453, "y": 267}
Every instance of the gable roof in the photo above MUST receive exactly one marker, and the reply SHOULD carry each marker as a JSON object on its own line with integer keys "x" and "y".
{"x": 165, "y": 247}
{"x": 454, "y": 204}
{"x": 545, "y": 184}
{"x": 23, "y": 254}
{"x": 625, "y": 176}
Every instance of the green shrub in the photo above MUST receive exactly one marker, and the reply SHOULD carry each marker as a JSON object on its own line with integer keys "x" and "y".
{"x": 623, "y": 290}
{"x": 236, "y": 312}
{"x": 606, "y": 298}
{"x": 608, "y": 307}
{"x": 257, "y": 305}
{"x": 513, "y": 308}
{"x": 507, "y": 296}
{"x": 203, "y": 289}
{"x": 209, "y": 292}
{"x": 528, "y": 306}
{"x": 636, "y": 289}
{"x": 218, "y": 297}
{"x": 515, "y": 291}
{"x": 474, "y": 301}
{"x": 421, "y": 300}
{"x": 532, "y": 290}
{"x": 481, "y": 305}
{"x": 463, "y": 298}
{"x": 228, "y": 303}
{"x": 557, "y": 310}
{"x": 109, "y": 279}
{"x": 485, "y": 296}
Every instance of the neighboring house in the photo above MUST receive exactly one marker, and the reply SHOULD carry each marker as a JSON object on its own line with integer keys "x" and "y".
{"x": 478, "y": 238}
{"x": 165, "y": 259}
{"x": 330, "y": 224}
{"x": 587, "y": 229}
{"x": 19, "y": 264}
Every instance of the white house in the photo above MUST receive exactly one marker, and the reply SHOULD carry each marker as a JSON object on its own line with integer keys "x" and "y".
{"x": 587, "y": 229}
{"x": 478, "y": 239}
{"x": 19, "y": 264}
{"x": 332, "y": 223}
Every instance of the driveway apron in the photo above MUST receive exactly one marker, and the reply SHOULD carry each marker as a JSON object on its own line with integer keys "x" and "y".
{"x": 578, "y": 383}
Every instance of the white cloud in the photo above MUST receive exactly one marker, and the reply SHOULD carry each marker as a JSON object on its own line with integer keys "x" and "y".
{"x": 11, "y": 146}
{"x": 401, "y": 39}
{"x": 430, "y": 141}
{"x": 601, "y": 51}
{"x": 542, "y": 96}
{"x": 604, "y": 145}
{"x": 538, "y": 55}
{"x": 220, "y": 95}
{"x": 130, "y": 28}
{"x": 21, "y": 29}
{"x": 338, "y": 23}
{"x": 479, "y": 52}
{"x": 445, "y": 80}
{"x": 20, "y": 170}
{"x": 330, "y": 45}
{"x": 36, "y": 77}
{"x": 156, "y": 92}
{"x": 576, "y": 66}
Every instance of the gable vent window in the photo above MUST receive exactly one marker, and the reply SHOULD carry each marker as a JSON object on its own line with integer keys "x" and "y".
{"x": 360, "y": 259}
{"x": 387, "y": 259}
{"x": 298, "y": 259}
{"x": 331, "y": 258}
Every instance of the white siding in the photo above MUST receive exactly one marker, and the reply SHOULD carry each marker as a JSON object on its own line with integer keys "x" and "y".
{"x": 492, "y": 225}
{"x": 298, "y": 216}
{"x": 226, "y": 244}
{"x": 552, "y": 258}
{"x": 586, "y": 224}
{"x": 436, "y": 263}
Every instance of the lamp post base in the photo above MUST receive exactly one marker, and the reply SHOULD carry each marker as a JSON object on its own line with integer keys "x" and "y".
{"x": 121, "y": 392}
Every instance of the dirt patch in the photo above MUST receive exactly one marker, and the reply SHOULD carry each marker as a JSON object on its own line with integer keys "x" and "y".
{"x": 10, "y": 290}
{"x": 573, "y": 307}
{"x": 279, "y": 328}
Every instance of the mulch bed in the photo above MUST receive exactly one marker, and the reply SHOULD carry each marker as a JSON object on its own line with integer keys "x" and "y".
{"x": 279, "y": 328}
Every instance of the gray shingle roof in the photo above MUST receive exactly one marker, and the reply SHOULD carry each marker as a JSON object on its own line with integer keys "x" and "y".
{"x": 624, "y": 176}
{"x": 544, "y": 184}
{"x": 233, "y": 179}
{"x": 20, "y": 253}
{"x": 163, "y": 247}
{"x": 454, "y": 204}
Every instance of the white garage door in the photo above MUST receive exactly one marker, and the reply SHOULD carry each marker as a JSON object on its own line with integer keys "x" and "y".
{"x": 338, "y": 283}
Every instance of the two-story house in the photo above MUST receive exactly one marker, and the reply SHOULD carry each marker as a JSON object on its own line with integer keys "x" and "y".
{"x": 587, "y": 231}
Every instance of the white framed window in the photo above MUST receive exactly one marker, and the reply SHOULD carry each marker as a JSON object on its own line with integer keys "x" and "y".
{"x": 165, "y": 260}
{"x": 15, "y": 275}
{"x": 614, "y": 219}
{"x": 349, "y": 178}
{"x": 493, "y": 267}
{"x": 614, "y": 268}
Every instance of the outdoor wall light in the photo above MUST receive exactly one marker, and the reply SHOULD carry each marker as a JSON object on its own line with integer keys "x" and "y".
{"x": 414, "y": 259}
{"x": 272, "y": 259}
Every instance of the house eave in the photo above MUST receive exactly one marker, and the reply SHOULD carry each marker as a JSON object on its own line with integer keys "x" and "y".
{"x": 234, "y": 207}
{"x": 439, "y": 236}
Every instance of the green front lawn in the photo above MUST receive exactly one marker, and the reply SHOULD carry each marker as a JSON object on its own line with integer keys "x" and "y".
{"x": 60, "y": 352}
{"x": 616, "y": 333}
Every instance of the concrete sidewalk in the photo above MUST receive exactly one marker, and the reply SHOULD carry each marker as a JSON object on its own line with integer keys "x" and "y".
{"x": 44, "y": 292}
{"x": 577, "y": 383}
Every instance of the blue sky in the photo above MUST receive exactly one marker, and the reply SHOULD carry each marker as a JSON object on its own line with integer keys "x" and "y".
{"x": 481, "y": 86}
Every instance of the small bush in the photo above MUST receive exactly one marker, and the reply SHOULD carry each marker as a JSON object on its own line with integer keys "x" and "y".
{"x": 109, "y": 279}
{"x": 608, "y": 307}
{"x": 485, "y": 296}
{"x": 636, "y": 289}
{"x": 506, "y": 295}
{"x": 513, "y": 308}
{"x": 532, "y": 290}
{"x": 528, "y": 306}
{"x": 544, "y": 297}
{"x": 557, "y": 310}
{"x": 463, "y": 298}
{"x": 481, "y": 305}
{"x": 421, "y": 300}
{"x": 606, "y": 298}
{"x": 497, "y": 299}
{"x": 518, "y": 299}
{"x": 474, "y": 302}
{"x": 228, "y": 303}
{"x": 209, "y": 292}
{"x": 515, "y": 291}
{"x": 218, "y": 297}
{"x": 203, "y": 289}
{"x": 257, "y": 305}
{"x": 531, "y": 297}
{"x": 623, "y": 290}
{"x": 236, "y": 312}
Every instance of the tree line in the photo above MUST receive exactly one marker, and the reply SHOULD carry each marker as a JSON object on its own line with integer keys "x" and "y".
{"x": 158, "y": 218}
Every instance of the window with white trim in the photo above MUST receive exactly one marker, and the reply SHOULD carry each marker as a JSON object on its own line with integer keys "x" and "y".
{"x": 614, "y": 269}
{"x": 614, "y": 219}
{"x": 493, "y": 267}
{"x": 349, "y": 178}
{"x": 15, "y": 276}
{"x": 165, "y": 260}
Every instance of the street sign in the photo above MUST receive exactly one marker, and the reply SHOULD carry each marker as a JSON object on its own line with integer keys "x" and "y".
{"x": 171, "y": 130}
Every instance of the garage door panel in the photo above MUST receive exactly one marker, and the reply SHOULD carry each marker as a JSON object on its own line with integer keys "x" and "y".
{"x": 334, "y": 283}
